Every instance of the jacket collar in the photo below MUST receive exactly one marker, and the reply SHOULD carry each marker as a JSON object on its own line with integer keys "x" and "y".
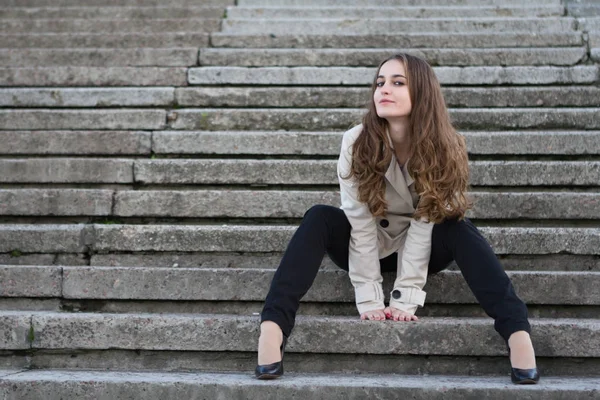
{"x": 398, "y": 177}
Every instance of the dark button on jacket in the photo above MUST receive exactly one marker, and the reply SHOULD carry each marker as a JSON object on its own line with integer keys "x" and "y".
{"x": 384, "y": 223}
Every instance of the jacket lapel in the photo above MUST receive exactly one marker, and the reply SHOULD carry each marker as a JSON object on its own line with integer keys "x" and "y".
{"x": 398, "y": 177}
{"x": 399, "y": 182}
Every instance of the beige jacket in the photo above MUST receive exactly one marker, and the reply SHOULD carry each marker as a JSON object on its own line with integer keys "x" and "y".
{"x": 373, "y": 238}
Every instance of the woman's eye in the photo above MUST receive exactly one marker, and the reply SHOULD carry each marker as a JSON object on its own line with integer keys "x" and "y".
{"x": 399, "y": 83}
{"x": 379, "y": 84}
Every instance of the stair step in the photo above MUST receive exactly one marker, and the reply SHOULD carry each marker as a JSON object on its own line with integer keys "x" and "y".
{"x": 385, "y": 25}
{"x": 313, "y": 97}
{"x": 271, "y": 172}
{"x": 387, "y": 3}
{"x": 115, "y": 119}
{"x": 94, "y": 76}
{"x": 557, "y": 288}
{"x": 325, "y": 143}
{"x": 102, "y": 40}
{"x": 110, "y": 25}
{"x": 338, "y": 97}
{"x": 358, "y": 76}
{"x": 64, "y": 385}
{"x": 267, "y": 204}
{"x": 258, "y": 239}
{"x": 131, "y": 3}
{"x": 338, "y": 119}
{"x": 248, "y": 285}
{"x": 391, "y": 40}
{"x": 589, "y": 24}
{"x": 144, "y": 12}
{"x": 76, "y": 142}
{"x": 557, "y": 56}
{"x": 178, "y": 57}
{"x": 275, "y": 143}
{"x": 313, "y": 334}
{"x": 394, "y": 12}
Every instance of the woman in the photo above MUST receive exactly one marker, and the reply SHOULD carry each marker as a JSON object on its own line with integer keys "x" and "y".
{"x": 403, "y": 177}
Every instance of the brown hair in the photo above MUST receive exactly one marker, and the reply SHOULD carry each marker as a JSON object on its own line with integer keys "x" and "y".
{"x": 438, "y": 157}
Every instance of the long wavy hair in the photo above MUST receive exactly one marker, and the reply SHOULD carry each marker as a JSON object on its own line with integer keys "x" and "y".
{"x": 438, "y": 159}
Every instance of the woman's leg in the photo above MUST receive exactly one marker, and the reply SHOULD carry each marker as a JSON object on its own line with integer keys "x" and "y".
{"x": 461, "y": 241}
{"x": 323, "y": 229}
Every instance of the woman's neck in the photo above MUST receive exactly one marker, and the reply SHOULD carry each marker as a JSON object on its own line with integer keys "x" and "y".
{"x": 398, "y": 129}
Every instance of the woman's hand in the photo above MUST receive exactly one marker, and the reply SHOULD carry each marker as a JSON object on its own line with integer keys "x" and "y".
{"x": 399, "y": 315}
{"x": 375, "y": 315}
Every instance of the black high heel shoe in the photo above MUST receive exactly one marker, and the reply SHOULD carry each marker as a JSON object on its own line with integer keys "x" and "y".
{"x": 271, "y": 371}
{"x": 523, "y": 376}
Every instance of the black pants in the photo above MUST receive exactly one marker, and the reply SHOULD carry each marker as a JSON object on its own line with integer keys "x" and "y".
{"x": 326, "y": 229}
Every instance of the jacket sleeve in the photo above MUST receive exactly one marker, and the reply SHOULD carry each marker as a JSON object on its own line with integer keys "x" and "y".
{"x": 363, "y": 255}
{"x": 412, "y": 267}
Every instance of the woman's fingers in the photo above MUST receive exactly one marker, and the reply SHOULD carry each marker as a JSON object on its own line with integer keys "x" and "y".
{"x": 376, "y": 315}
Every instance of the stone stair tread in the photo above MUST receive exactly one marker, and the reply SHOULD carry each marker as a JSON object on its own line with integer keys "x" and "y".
{"x": 112, "y": 237}
{"x": 328, "y": 143}
{"x": 384, "y": 25}
{"x": 141, "y": 12}
{"x": 394, "y": 11}
{"x": 251, "y": 284}
{"x": 103, "y": 40}
{"x": 313, "y": 334}
{"x": 340, "y": 119}
{"x": 423, "y": 3}
{"x": 160, "y": 385}
{"x": 302, "y": 97}
{"x": 154, "y": 25}
{"x": 270, "y": 172}
{"x": 358, "y": 76}
{"x": 448, "y": 287}
{"x": 469, "y": 57}
{"x": 412, "y": 39}
{"x": 269, "y": 203}
{"x": 121, "y": 3}
{"x": 93, "y": 76}
{"x": 269, "y": 143}
{"x": 141, "y": 57}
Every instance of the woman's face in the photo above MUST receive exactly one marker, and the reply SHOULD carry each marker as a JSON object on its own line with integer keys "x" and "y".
{"x": 391, "y": 96}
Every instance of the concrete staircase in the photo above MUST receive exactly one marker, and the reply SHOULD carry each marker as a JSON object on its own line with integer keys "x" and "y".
{"x": 147, "y": 191}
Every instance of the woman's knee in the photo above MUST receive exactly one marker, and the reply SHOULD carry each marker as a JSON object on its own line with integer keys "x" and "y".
{"x": 324, "y": 213}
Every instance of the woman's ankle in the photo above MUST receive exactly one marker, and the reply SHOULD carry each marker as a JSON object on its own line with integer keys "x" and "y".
{"x": 522, "y": 354}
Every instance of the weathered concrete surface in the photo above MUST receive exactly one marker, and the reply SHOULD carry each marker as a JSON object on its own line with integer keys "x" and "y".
{"x": 369, "y": 11}
{"x": 336, "y": 76}
{"x": 247, "y": 238}
{"x": 157, "y": 12}
{"x": 140, "y": 57}
{"x": 42, "y": 238}
{"x": 66, "y": 170}
{"x": 558, "y": 56}
{"x": 216, "y": 203}
{"x": 55, "y": 202}
{"x": 30, "y": 281}
{"x": 123, "y": 3}
{"x": 113, "y": 25}
{"x": 107, "y": 39}
{"x": 393, "y": 39}
{"x": 328, "y": 143}
{"x": 61, "y": 385}
{"x": 311, "y": 119}
{"x": 589, "y": 24}
{"x": 30, "y": 304}
{"x": 323, "y": 172}
{"x": 87, "y": 97}
{"x": 75, "y": 142}
{"x": 94, "y": 76}
{"x": 14, "y": 330}
{"x": 473, "y": 336}
{"x": 384, "y": 25}
{"x": 52, "y": 119}
{"x": 352, "y": 97}
{"x": 576, "y": 288}
{"x": 193, "y": 260}
{"x": 293, "y": 204}
{"x": 26, "y": 259}
{"x": 386, "y": 3}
